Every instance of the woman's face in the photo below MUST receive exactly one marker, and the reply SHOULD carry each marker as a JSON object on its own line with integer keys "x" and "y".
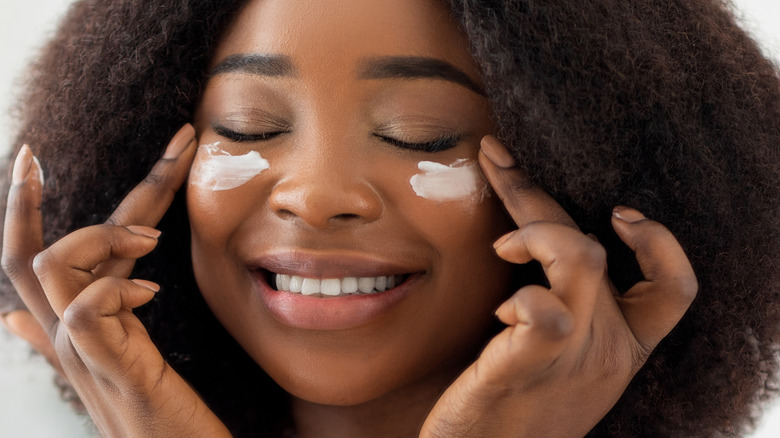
{"x": 348, "y": 133}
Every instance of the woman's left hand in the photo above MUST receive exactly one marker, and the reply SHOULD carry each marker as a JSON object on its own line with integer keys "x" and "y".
{"x": 570, "y": 350}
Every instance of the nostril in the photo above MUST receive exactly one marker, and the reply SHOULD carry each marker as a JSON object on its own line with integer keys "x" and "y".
{"x": 285, "y": 214}
{"x": 345, "y": 217}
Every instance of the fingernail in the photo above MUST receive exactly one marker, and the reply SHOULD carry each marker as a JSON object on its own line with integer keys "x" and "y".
{"x": 627, "y": 214}
{"x": 496, "y": 152}
{"x": 152, "y": 286}
{"x": 180, "y": 142}
{"x": 144, "y": 231}
{"x": 501, "y": 240}
{"x": 22, "y": 165}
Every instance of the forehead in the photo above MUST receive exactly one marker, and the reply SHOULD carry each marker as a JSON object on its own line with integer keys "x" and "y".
{"x": 337, "y": 33}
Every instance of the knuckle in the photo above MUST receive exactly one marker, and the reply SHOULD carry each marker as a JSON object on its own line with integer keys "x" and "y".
{"x": 107, "y": 229}
{"x": 77, "y": 316}
{"x": 115, "y": 235}
{"x": 116, "y": 216}
{"x": 532, "y": 228}
{"x": 19, "y": 202}
{"x": 690, "y": 288}
{"x": 554, "y": 325}
{"x": 544, "y": 313}
{"x": 108, "y": 235}
{"x": 41, "y": 263}
{"x": 13, "y": 265}
{"x": 686, "y": 288}
{"x": 84, "y": 311}
{"x": 516, "y": 185}
{"x": 512, "y": 189}
{"x": 156, "y": 177}
{"x": 590, "y": 255}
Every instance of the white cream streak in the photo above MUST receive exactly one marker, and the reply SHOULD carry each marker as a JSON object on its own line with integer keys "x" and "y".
{"x": 216, "y": 169}
{"x": 438, "y": 182}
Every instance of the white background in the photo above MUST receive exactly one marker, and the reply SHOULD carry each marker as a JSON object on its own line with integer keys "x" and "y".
{"x": 29, "y": 404}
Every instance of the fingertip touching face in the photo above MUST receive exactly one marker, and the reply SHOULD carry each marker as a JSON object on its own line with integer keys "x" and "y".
{"x": 341, "y": 229}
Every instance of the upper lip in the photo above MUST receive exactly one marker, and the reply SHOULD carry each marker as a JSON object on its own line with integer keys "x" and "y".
{"x": 329, "y": 264}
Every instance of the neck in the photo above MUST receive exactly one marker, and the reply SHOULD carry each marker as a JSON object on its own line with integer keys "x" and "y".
{"x": 397, "y": 414}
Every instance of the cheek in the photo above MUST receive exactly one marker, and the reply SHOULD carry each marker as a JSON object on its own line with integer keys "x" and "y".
{"x": 463, "y": 235}
{"x": 216, "y": 220}
{"x": 453, "y": 208}
{"x": 212, "y": 215}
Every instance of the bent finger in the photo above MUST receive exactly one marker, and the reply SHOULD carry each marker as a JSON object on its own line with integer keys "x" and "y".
{"x": 653, "y": 307}
{"x": 539, "y": 310}
{"x": 149, "y": 200}
{"x": 65, "y": 268}
{"x": 100, "y": 322}
{"x": 574, "y": 264}
{"x": 539, "y": 326}
{"x": 23, "y": 234}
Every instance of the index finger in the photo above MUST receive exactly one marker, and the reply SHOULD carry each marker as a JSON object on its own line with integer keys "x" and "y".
{"x": 524, "y": 201}
{"x": 23, "y": 234}
{"x": 149, "y": 200}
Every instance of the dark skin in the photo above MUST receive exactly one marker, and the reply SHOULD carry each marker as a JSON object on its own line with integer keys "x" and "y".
{"x": 567, "y": 353}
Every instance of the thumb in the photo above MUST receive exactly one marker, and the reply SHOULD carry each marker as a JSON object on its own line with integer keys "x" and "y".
{"x": 654, "y": 306}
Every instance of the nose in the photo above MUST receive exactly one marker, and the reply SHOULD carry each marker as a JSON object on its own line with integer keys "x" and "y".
{"x": 325, "y": 195}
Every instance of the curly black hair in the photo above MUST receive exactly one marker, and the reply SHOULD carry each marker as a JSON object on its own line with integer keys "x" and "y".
{"x": 663, "y": 105}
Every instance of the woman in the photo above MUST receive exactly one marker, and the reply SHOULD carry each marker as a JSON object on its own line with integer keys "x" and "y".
{"x": 354, "y": 119}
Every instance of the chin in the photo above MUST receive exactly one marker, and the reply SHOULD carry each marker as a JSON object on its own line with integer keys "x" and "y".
{"x": 343, "y": 376}
{"x": 346, "y": 389}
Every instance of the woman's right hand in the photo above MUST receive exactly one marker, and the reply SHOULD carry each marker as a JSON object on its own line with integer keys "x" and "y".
{"x": 79, "y": 292}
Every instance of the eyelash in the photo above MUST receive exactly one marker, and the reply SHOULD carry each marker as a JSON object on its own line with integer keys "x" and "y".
{"x": 437, "y": 145}
{"x": 240, "y": 137}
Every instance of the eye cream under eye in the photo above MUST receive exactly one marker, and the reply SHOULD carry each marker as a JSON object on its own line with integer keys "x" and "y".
{"x": 216, "y": 169}
{"x": 439, "y": 182}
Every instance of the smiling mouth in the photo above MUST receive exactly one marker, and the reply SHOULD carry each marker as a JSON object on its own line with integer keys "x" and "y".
{"x": 335, "y": 287}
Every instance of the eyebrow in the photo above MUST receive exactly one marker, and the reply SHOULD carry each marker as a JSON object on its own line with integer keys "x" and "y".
{"x": 256, "y": 64}
{"x": 414, "y": 67}
{"x": 386, "y": 67}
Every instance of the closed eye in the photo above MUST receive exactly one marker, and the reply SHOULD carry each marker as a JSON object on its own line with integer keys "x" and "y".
{"x": 241, "y": 137}
{"x": 437, "y": 145}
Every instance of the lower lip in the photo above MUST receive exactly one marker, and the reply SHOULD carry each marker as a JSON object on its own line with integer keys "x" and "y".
{"x": 331, "y": 313}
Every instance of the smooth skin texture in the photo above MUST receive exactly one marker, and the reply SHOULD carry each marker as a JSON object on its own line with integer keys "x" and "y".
{"x": 568, "y": 351}
{"x": 336, "y": 192}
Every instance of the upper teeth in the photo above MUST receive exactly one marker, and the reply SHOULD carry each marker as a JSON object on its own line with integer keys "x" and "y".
{"x": 334, "y": 286}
